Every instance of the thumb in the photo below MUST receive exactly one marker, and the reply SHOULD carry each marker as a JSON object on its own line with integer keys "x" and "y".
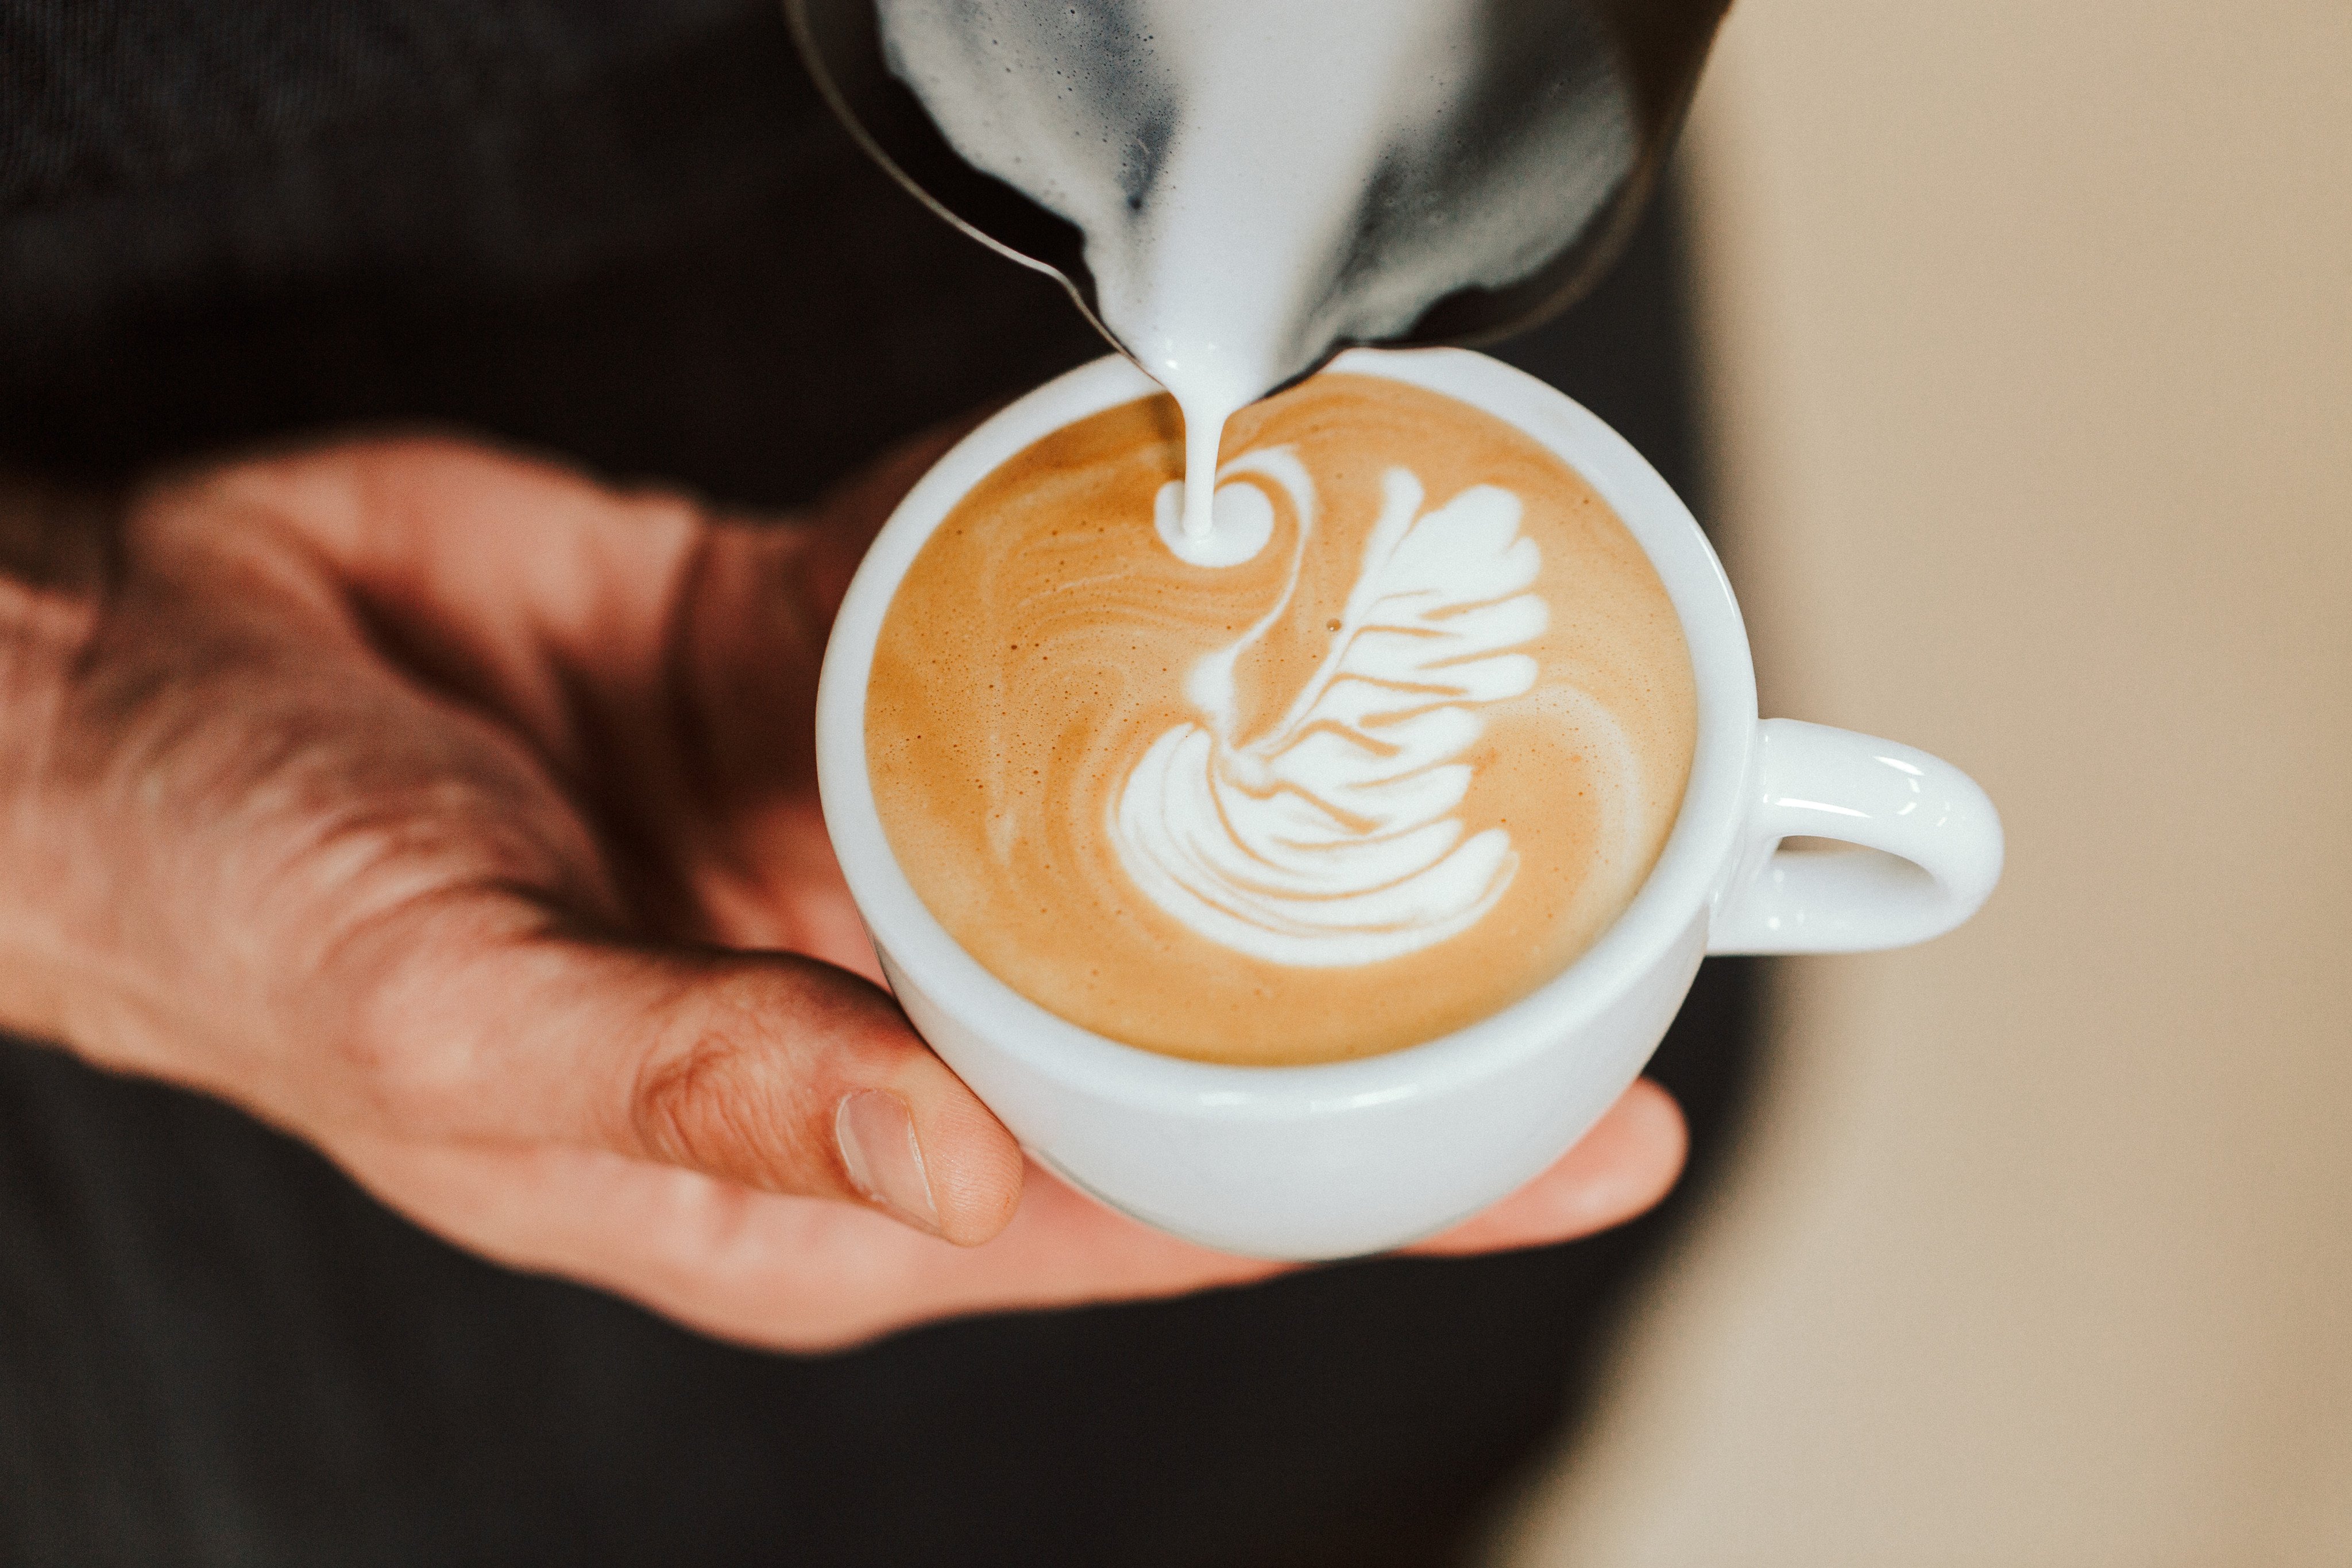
{"x": 771, "y": 1071}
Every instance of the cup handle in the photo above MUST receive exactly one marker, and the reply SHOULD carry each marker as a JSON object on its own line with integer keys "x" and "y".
{"x": 1926, "y": 846}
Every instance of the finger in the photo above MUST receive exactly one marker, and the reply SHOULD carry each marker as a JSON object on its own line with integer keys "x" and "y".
{"x": 777, "y": 1272}
{"x": 845, "y": 519}
{"x": 755, "y": 609}
{"x": 1624, "y": 1165}
{"x": 789, "y": 1274}
{"x": 474, "y": 1023}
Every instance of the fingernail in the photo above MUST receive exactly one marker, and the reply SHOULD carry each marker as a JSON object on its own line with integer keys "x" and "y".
{"x": 877, "y": 1134}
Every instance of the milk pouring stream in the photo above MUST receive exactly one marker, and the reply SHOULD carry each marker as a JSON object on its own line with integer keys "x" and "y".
{"x": 1219, "y": 157}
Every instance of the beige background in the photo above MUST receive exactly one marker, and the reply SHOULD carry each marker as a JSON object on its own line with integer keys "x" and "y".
{"x": 2029, "y": 327}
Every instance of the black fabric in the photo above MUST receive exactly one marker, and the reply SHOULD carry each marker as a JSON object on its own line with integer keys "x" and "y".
{"x": 624, "y": 230}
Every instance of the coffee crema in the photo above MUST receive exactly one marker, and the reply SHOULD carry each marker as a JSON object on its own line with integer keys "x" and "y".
{"x": 1390, "y": 769}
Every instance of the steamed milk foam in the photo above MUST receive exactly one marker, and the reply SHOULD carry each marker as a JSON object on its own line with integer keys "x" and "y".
{"x": 1256, "y": 180}
{"x": 1390, "y": 773}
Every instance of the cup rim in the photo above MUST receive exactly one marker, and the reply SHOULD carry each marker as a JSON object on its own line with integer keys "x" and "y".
{"x": 1684, "y": 883}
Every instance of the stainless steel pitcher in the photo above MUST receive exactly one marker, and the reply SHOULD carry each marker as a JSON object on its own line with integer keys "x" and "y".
{"x": 1611, "y": 79}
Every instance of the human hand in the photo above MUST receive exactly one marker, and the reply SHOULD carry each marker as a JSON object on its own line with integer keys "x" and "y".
{"x": 459, "y": 816}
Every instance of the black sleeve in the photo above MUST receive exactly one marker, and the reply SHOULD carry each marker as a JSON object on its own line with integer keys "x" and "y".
{"x": 626, "y": 231}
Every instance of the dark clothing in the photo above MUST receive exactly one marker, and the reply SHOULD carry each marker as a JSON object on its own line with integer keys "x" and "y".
{"x": 624, "y": 230}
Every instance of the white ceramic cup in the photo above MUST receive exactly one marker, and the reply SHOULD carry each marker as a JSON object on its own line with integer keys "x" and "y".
{"x": 1358, "y": 1156}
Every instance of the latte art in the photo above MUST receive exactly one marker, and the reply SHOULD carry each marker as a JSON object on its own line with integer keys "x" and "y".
{"x": 1330, "y": 839}
{"x": 1381, "y": 772}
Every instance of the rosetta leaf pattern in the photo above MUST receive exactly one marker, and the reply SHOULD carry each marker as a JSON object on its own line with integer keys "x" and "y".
{"x": 1332, "y": 839}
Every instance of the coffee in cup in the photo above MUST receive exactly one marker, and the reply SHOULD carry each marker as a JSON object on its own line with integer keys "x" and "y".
{"x": 1390, "y": 759}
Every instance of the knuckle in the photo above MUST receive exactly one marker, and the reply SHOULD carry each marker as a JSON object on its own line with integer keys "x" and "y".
{"x": 412, "y": 984}
{"x": 687, "y": 1107}
{"x": 716, "y": 1101}
{"x": 406, "y": 1045}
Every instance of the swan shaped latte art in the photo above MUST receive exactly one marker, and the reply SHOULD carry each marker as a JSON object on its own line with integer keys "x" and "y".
{"x": 1332, "y": 838}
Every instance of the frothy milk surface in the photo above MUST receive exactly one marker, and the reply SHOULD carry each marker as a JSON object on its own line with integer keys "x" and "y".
{"x": 1387, "y": 774}
{"x": 1256, "y": 180}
